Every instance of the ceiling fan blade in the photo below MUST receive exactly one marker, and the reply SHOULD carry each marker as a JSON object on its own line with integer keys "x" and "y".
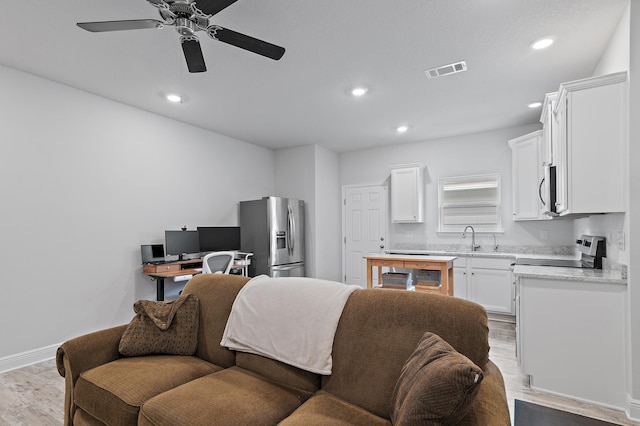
{"x": 245, "y": 42}
{"x": 211, "y": 7}
{"x": 135, "y": 24}
{"x": 193, "y": 54}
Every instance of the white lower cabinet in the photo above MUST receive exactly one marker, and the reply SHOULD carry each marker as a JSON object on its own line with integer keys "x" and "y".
{"x": 486, "y": 281}
{"x": 571, "y": 338}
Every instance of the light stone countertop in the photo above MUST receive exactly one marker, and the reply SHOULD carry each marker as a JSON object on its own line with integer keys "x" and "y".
{"x": 609, "y": 276}
{"x": 489, "y": 254}
{"x": 615, "y": 275}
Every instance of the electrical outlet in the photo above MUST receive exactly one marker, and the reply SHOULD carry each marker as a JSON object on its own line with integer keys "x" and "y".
{"x": 544, "y": 234}
{"x": 621, "y": 240}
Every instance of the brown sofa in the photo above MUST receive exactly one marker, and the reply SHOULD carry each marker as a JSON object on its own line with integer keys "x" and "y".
{"x": 376, "y": 334}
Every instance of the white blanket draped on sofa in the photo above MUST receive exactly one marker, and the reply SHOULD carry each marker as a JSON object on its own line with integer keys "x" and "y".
{"x": 292, "y": 320}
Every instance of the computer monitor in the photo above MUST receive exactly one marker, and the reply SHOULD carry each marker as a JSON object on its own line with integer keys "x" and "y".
{"x": 179, "y": 243}
{"x": 219, "y": 238}
{"x": 152, "y": 253}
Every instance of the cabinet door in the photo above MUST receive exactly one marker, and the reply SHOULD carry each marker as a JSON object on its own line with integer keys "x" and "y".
{"x": 493, "y": 289}
{"x": 559, "y": 322}
{"x": 589, "y": 151}
{"x": 559, "y": 148}
{"x": 406, "y": 195}
{"x": 460, "y": 282}
{"x": 595, "y": 149}
{"x": 527, "y": 176}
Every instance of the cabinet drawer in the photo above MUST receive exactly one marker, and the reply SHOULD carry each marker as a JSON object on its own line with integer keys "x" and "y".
{"x": 390, "y": 263}
{"x": 460, "y": 262}
{"x": 491, "y": 263}
{"x": 418, "y": 264}
{"x": 167, "y": 268}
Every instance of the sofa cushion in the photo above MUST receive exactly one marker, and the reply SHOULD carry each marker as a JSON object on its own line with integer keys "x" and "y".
{"x": 162, "y": 328}
{"x": 279, "y": 372}
{"x": 379, "y": 330}
{"x": 114, "y": 392}
{"x": 231, "y": 397}
{"x": 327, "y": 410}
{"x": 436, "y": 387}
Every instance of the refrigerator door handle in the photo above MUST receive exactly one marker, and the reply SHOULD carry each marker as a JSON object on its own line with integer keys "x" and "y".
{"x": 291, "y": 231}
{"x": 285, "y": 268}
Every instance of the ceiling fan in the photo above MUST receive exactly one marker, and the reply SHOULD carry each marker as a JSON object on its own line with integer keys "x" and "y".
{"x": 189, "y": 17}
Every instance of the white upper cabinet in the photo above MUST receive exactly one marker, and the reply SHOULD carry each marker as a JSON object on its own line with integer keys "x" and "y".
{"x": 527, "y": 162}
{"x": 588, "y": 148}
{"x": 407, "y": 194}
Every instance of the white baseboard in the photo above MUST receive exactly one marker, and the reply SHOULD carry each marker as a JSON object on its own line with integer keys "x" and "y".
{"x": 23, "y": 359}
{"x": 634, "y": 409}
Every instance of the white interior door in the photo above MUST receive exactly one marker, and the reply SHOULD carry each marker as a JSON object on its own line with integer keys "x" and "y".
{"x": 364, "y": 228}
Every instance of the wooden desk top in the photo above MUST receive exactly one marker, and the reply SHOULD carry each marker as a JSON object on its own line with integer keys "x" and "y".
{"x": 174, "y": 269}
{"x": 171, "y": 274}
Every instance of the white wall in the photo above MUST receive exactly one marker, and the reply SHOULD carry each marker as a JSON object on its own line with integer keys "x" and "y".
{"x": 633, "y": 241}
{"x": 294, "y": 178}
{"x": 310, "y": 173}
{"x": 473, "y": 154}
{"x": 84, "y": 182}
{"x": 616, "y": 56}
{"x": 328, "y": 215}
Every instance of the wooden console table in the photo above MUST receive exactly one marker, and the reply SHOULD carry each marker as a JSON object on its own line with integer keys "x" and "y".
{"x": 444, "y": 264}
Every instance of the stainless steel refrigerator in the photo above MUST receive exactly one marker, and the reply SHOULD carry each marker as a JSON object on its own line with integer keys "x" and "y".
{"x": 273, "y": 230}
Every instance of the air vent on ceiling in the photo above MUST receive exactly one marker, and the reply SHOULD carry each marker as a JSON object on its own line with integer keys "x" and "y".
{"x": 446, "y": 69}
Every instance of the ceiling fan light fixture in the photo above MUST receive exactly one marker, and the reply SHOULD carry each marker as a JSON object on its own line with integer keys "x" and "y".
{"x": 188, "y": 17}
{"x": 542, "y": 43}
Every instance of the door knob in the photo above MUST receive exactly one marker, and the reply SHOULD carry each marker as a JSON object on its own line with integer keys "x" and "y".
{"x": 381, "y": 246}
{"x": 381, "y": 238}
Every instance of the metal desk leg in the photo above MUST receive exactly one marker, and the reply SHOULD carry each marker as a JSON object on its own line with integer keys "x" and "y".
{"x": 159, "y": 289}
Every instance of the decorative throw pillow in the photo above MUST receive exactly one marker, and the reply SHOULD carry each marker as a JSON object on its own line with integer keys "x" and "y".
{"x": 436, "y": 386}
{"x": 162, "y": 328}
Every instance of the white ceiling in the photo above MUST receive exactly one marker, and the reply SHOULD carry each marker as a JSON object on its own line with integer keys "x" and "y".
{"x": 332, "y": 45}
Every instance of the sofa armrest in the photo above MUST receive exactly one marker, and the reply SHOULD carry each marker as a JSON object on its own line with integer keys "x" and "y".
{"x": 490, "y": 406}
{"x": 84, "y": 353}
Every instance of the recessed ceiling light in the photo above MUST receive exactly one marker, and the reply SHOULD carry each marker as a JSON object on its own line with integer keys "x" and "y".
{"x": 359, "y": 91}
{"x": 543, "y": 43}
{"x": 535, "y": 105}
{"x": 174, "y": 98}
{"x": 402, "y": 129}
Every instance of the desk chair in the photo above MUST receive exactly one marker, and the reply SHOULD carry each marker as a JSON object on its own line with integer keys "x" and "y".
{"x": 218, "y": 262}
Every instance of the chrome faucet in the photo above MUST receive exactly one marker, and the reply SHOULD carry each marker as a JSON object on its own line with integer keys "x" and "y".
{"x": 495, "y": 243}
{"x": 474, "y": 247}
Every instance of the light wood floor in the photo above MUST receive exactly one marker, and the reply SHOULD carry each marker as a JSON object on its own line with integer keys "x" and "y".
{"x": 34, "y": 395}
